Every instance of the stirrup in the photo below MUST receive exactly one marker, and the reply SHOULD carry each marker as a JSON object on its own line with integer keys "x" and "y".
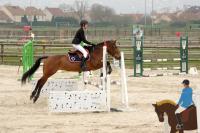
{"x": 179, "y": 126}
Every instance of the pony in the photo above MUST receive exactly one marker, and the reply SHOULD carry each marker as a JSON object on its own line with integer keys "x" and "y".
{"x": 188, "y": 116}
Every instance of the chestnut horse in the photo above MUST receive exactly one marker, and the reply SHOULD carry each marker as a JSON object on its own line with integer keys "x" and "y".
{"x": 61, "y": 62}
{"x": 188, "y": 116}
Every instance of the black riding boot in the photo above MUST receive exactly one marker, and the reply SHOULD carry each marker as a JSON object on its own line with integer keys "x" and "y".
{"x": 83, "y": 64}
{"x": 179, "y": 126}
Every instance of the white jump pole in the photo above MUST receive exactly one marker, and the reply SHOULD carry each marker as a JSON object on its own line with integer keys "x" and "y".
{"x": 106, "y": 78}
{"x": 124, "y": 83}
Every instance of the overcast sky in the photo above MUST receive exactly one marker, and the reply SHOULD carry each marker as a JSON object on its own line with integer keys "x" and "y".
{"x": 121, "y": 6}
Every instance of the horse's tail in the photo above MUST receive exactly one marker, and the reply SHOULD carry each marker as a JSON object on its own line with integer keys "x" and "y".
{"x": 32, "y": 70}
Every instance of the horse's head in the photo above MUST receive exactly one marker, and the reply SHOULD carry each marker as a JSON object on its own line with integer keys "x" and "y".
{"x": 112, "y": 49}
{"x": 159, "y": 112}
{"x": 162, "y": 107}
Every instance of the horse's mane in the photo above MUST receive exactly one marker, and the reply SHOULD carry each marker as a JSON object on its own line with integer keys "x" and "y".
{"x": 165, "y": 101}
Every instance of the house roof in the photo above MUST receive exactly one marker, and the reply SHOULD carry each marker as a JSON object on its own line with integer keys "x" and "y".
{"x": 15, "y": 10}
{"x": 3, "y": 16}
{"x": 57, "y": 12}
{"x": 34, "y": 11}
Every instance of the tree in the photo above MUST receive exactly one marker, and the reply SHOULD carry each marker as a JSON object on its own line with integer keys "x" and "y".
{"x": 35, "y": 19}
{"x": 101, "y": 14}
{"x": 122, "y": 20}
{"x": 80, "y": 8}
{"x": 148, "y": 20}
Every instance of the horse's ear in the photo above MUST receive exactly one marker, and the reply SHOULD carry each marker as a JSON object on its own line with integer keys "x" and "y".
{"x": 154, "y": 105}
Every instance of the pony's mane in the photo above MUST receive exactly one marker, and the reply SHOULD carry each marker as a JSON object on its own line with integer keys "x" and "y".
{"x": 165, "y": 101}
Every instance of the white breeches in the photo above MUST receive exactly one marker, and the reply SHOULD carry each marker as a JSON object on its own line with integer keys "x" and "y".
{"x": 180, "y": 109}
{"x": 81, "y": 49}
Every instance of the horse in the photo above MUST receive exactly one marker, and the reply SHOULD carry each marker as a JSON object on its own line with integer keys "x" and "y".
{"x": 188, "y": 116}
{"x": 51, "y": 64}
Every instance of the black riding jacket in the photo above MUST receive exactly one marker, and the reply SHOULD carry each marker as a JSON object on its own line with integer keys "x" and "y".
{"x": 79, "y": 37}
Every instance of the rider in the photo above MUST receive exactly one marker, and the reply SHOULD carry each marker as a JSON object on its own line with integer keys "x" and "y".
{"x": 184, "y": 102}
{"x": 78, "y": 39}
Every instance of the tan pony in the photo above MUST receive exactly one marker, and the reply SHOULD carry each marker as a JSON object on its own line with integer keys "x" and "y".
{"x": 189, "y": 116}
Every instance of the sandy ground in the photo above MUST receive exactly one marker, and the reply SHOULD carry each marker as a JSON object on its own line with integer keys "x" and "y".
{"x": 19, "y": 115}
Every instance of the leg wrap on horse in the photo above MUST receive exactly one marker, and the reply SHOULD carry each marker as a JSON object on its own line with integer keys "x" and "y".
{"x": 179, "y": 121}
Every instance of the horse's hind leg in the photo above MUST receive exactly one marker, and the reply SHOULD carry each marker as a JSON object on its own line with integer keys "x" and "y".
{"x": 39, "y": 86}
{"x": 34, "y": 91}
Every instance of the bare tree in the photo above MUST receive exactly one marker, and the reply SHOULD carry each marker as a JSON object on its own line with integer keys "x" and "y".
{"x": 65, "y": 7}
{"x": 100, "y": 13}
{"x": 80, "y": 8}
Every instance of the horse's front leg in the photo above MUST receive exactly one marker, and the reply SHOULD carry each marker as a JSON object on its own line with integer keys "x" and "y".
{"x": 173, "y": 130}
{"x": 109, "y": 68}
{"x": 181, "y": 131}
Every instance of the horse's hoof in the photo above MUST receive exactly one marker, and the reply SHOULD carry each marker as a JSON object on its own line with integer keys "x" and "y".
{"x": 35, "y": 99}
{"x": 31, "y": 97}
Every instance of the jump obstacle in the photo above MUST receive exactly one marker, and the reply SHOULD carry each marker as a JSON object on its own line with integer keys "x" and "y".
{"x": 138, "y": 45}
{"x": 64, "y": 95}
{"x": 89, "y": 101}
{"x": 27, "y": 56}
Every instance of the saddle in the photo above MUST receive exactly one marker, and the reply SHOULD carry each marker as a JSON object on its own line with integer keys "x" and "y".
{"x": 186, "y": 113}
{"x": 76, "y": 55}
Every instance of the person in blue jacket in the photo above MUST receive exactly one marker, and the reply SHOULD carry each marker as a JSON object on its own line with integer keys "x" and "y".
{"x": 184, "y": 102}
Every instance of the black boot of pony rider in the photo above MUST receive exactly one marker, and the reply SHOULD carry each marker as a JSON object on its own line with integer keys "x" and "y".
{"x": 179, "y": 125}
{"x": 83, "y": 64}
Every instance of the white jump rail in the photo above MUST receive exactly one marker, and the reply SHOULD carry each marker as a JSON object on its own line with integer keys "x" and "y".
{"x": 58, "y": 85}
{"x": 83, "y": 101}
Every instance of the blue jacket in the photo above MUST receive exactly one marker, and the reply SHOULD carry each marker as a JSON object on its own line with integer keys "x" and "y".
{"x": 186, "y": 98}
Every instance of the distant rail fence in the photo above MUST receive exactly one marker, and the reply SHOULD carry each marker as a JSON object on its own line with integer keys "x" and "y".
{"x": 117, "y": 32}
{"x": 11, "y": 51}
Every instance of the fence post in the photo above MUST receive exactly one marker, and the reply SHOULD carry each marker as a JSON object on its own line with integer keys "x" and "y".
{"x": 2, "y": 52}
{"x": 138, "y": 56}
{"x": 184, "y": 54}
